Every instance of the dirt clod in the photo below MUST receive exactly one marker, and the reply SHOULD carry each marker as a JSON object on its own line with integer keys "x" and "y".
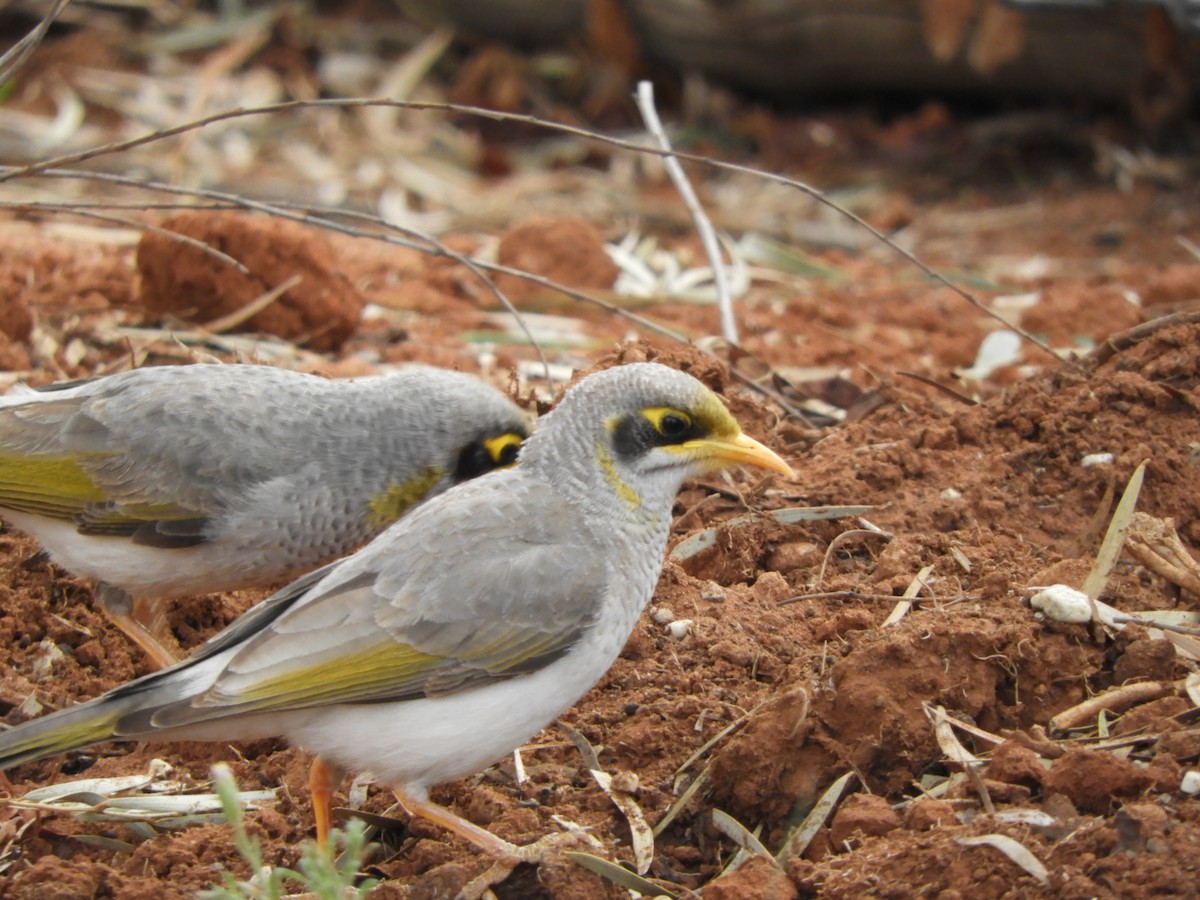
{"x": 567, "y": 250}
{"x": 182, "y": 280}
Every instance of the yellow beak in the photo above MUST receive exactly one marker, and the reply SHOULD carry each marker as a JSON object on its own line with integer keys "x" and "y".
{"x": 737, "y": 449}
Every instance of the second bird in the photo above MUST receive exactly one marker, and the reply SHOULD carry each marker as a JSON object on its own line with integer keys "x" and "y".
{"x": 169, "y": 481}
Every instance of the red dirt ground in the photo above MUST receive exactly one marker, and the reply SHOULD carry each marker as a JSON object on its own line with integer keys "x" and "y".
{"x": 991, "y": 494}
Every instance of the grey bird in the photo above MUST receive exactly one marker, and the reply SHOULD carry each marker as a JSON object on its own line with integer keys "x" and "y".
{"x": 167, "y": 481}
{"x": 465, "y": 627}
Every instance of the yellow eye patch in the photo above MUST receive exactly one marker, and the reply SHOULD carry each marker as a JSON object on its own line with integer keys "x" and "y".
{"x": 503, "y": 448}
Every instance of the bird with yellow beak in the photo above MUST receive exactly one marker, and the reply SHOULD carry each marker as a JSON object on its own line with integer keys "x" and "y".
{"x": 464, "y": 628}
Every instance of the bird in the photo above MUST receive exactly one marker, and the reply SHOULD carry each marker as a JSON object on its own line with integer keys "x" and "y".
{"x": 466, "y": 626}
{"x": 161, "y": 482}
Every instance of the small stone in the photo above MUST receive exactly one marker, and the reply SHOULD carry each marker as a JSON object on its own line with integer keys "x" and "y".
{"x": 925, "y": 815}
{"x": 679, "y": 629}
{"x": 1012, "y": 763}
{"x": 794, "y": 555}
{"x": 1148, "y": 659}
{"x": 771, "y": 587}
{"x": 731, "y": 652}
{"x": 1190, "y": 783}
{"x": 755, "y": 878}
{"x": 866, "y": 815}
{"x": 661, "y": 615}
{"x": 1062, "y": 604}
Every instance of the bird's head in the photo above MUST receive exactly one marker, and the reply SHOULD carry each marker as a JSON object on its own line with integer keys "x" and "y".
{"x": 640, "y": 431}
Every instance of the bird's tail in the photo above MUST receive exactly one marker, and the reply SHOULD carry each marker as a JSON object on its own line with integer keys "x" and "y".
{"x": 69, "y": 729}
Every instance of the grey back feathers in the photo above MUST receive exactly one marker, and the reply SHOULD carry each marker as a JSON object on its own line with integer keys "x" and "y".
{"x": 292, "y": 469}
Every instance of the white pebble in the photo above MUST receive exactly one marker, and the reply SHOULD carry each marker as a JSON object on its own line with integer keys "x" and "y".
{"x": 1097, "y": 459}
{"x": 661, "y": 615}
{"x": 679, "y": 629}
{"x": 951, "y": 494}
{"x": 1062, "y": 603}
{"x": 1190, "y": 783}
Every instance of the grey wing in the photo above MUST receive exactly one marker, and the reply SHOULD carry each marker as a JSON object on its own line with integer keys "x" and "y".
{"x": 152, "y": 453}
{"x": 463, "y": 591}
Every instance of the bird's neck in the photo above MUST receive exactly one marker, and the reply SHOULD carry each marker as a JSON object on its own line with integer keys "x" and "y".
{"x": 612, "y": 506}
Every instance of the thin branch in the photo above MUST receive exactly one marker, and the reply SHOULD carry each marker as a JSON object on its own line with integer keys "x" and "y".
{"x": 708, "y": 235}
{"x": 1123, "y": 340}
{"x": 144, "y": 226}
{"x": 38, "y": 168}
{"x": 18, "y": 54}
{"x": 937, "y": 385}
{"x": 421, "y": 242}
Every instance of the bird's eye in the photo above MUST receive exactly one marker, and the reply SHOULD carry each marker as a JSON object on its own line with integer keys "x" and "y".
{"x": 473, "y": 461}
{"x": 670, "y": 423}
{"x": 673, "y": 426}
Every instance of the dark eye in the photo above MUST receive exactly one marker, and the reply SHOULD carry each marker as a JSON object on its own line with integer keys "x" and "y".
{"x": 508, "y": 455}
{"x": 673, "y": 426}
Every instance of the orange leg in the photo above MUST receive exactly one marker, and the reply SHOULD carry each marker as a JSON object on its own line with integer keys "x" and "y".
{"x": 484, "y": 839}
{"x": 322, "y": 779}
{"x": 143, "y": 621}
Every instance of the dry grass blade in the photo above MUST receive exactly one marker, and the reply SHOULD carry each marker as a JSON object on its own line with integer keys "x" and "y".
{"x": 121, "y": 799}
{"x": 839, "y": 540}
{"x": 1095, "y": 524}
{"x": 953, "y": 750}
{"x": 739, "y": 834}
{"x": 1115, "y": 343}
{"x": 590, "y": 760}
{"x": 1191, "y": 685}
{"x": 702, "y": 778}
{"x": 1180, "y": 621}
{"x": 239, "y": 316}
{"x": 702, "y": 540}
{"x": 683, "y": 800}
{"x": 250, "y": 347}
{"x": 977, "y": 782}
{"x": 859, "y": 595}
{"x": 1114, "y": 538}
{"x": 914, "y": 587}
{"x": 949, "y": 743}
{"x": 135, "y": 226}
{"x": 619, "y": 875}
{"x": 801, "y": 836}
{"x": 1014, "y": 850}
{"x": 974, "y": 731}
{"x": 620, "y": 791}
{"x": 1185, "y": 645}
{"x": 938, "y": 386}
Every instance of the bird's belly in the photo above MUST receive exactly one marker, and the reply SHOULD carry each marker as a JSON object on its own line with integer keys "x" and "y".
{"x": 231, "y": 562}
{"x": 419, "y": 743}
